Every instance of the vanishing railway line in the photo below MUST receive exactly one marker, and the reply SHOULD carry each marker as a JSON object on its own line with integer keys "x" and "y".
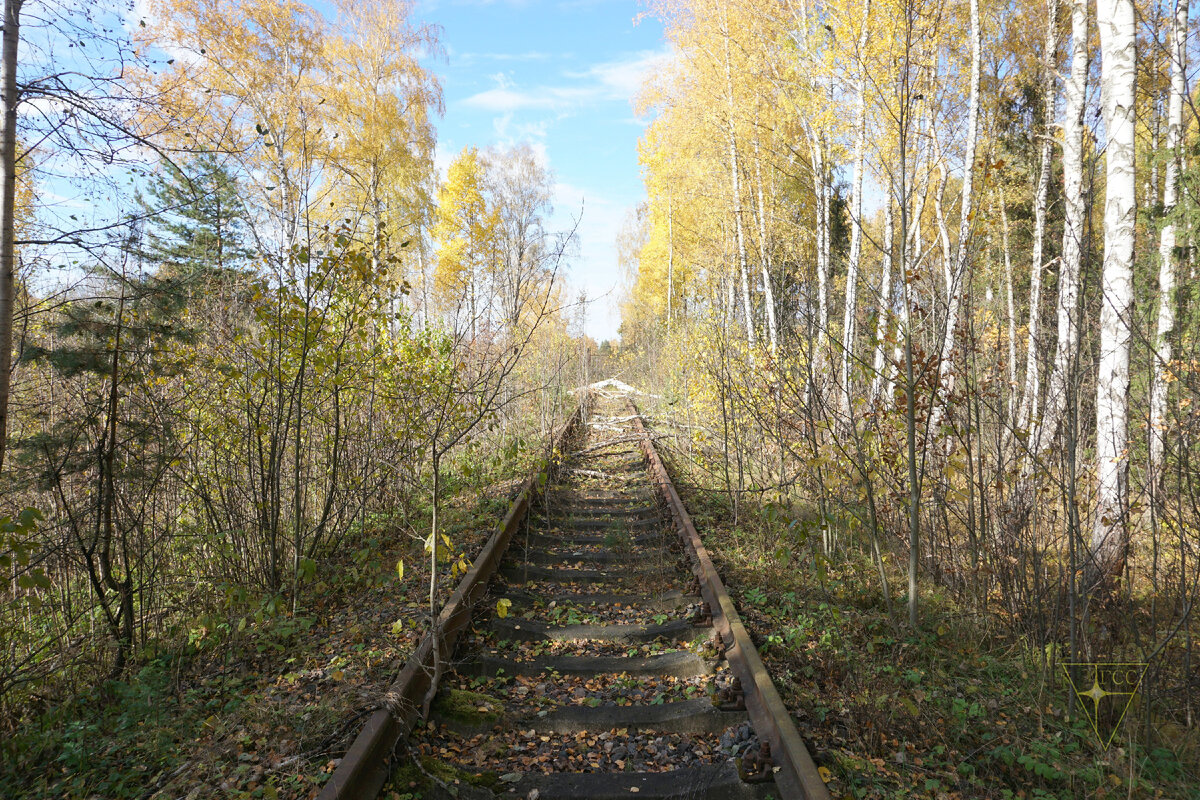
{"x": 591, "y": 652}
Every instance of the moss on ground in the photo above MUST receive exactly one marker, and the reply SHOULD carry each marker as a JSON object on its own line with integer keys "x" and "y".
{"x": 471, "y": 707}
{"x": 413, "y": 781}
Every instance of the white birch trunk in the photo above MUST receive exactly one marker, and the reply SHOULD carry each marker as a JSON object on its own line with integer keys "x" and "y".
{"x": 943, "y": 229}
{"x": 735, "y": 187}
{"x": 820, "y": 191}
{"x": 1012, "y": 313}
{"x": 914, "y": 242}
{"x": 946, "y": 367}
{"x": 849, "y": 319}
{"x": 885, "y": 298}
{"x": 764, "y": 255}
{"x": 1118, "y": 37}
{"x": 1166, "y": 244}
{"x": 1029, "y": 398}
{"x": 1073, "y": 229}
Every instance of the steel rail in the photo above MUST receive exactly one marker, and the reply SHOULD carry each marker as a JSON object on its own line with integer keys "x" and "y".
{"x": 365, "y": 767}
{"x": 796, "y": 775}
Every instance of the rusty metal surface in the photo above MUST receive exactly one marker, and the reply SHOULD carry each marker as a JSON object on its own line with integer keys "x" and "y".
{"x": 366, "y": 765}
{"x": 797, "y": 775}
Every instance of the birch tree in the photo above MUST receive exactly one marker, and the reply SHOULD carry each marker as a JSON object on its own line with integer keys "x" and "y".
{"x": 1073, "y": 227}
{"x": 856, "y": 206}
{"x": 1029, "y": 398}
{"x": 885, "y": 299}
{"x": 1166, "y": 244}
{"x": 735, "y": 189}
{"x": 966, "y": 213}
{"x": 1118, "y": 36}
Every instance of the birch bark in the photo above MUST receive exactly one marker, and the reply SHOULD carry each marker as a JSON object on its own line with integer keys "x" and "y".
{"x": 1029, "y": 398}
{"x": 849, "y": 319}
{"x": 821, "y": 191}
{"x": 885, "y": 297}
{"x": 1118, "y": 36}
{"x": 735, "y": 187}
{"x": 1012, "y": 311}
{"x": 1166, "y": 244}
{"x": 764, "y": 255}
{"x": 1073, "y": 228}
{"x": 946, "y": 367}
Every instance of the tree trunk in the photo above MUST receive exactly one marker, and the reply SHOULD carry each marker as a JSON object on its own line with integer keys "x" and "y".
{"x": 914, "y": 486}
{"x": 1073, "y": 228}
{"x": 860, "y": 144}
{"x": 435, "y": 633}
{"x": 1012, "y": 313}
{"x": 885, "y": 297}
{"x": 764, "y": 255}
{"x": 735, "y": 187}
{"x": 1029, "y": 399}
{"x": 8, "y": 207}
{"x": 816, "y": 150}
{"x": 1166, "y": 246}
{"x": 945, "y": 367}
{"x": 1118, "y": 36}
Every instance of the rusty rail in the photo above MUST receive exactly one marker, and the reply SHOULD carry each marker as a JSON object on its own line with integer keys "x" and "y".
{"x": 796, "y": 775}
{"x": 365, "y": 767}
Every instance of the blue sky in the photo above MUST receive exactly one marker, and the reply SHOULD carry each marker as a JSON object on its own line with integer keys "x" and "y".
{"x": 559, "y": 74}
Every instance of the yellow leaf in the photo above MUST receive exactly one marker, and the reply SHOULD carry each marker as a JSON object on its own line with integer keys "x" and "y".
{"x": 826, "y": 775}
{"x": 400, "y": 569}
{"x": 502, "y": 607}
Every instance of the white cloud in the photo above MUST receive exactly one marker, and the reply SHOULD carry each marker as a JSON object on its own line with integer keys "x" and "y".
{"x": 617, "y": 80}
{"x": 623, "y": 78}
{"x": 545, "y": 98}
{"x": 467, "y": 59}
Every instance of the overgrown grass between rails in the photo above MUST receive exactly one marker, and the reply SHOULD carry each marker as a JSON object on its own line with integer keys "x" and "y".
{"x": 961, "y": 708}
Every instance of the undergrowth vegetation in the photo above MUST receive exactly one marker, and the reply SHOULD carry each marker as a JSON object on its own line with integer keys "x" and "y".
{"x": 965, "y": 707}
{"x": 253, "y": 700}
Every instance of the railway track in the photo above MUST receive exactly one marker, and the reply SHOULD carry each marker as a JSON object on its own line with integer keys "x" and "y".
{"x": 605, "y": 661}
